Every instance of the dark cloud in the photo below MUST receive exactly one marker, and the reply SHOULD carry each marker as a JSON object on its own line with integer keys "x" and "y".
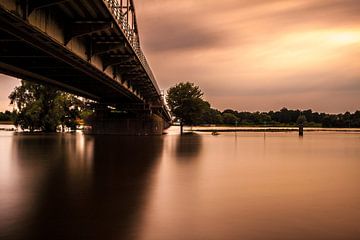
{"x": 176, "y": 34}
{"x": 346, "y": 86}
{"x": 203, "y": 24}
{"x": 326, "y": 12}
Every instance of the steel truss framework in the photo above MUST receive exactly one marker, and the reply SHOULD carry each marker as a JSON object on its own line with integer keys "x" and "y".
{"x": 108, "y": 31}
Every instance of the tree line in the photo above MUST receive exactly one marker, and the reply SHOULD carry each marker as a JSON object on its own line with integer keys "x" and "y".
{"x": 187, "y": 105}
{"x": 7, "y": 116}
{"x": 44, "y": 108}
{"x": 283, "y": 117}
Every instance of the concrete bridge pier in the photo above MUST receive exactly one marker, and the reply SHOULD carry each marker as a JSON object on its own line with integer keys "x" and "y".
{"x": 142, "y": 123}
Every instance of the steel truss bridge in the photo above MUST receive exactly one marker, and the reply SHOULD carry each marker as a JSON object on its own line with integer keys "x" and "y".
{"x": 87, "y": 47}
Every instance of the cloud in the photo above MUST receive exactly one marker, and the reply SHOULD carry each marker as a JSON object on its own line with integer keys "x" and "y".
{"x": 180, "y": 34}
{"x": 261, "y": 50}
{"x": 173, "y": 25}
{"x": 346, "y": 85}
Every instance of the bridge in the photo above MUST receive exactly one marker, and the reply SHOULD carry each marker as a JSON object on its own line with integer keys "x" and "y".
{"x": 90, "y": 48}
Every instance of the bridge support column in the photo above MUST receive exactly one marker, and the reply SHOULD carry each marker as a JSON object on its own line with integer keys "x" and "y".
{"x": 105, "y": 121}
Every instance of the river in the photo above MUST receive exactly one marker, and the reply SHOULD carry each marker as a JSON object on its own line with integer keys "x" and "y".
{"x": 248, "y": 185}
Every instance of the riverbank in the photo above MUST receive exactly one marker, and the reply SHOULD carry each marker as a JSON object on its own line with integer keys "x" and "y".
{"x": 269, "y": 129}
{"x": 218, "y": 129}
{"x": 7, "y": 126}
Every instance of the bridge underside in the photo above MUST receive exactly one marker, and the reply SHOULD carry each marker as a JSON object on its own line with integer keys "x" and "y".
{"x": 29, "y": 53}
{"x": 79, "y": 47}
{"x": 142, "y": 123}
{"x": 20, "y": 59}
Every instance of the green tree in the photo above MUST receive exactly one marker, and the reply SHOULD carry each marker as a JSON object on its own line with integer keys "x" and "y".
{"x": 355, "y": 122}
{"x": 212, "y": 116}
{"x": 43, "y": 108}
{"x": 186, "y": 103}
{"x": 229, "y": 118}
{"x": 74, "y": 109}
{"x": 6, "y": 116}
{"x": 301, "y": 121}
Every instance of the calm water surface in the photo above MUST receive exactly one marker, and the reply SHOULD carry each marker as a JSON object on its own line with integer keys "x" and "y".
{"x": 244, "y": 186}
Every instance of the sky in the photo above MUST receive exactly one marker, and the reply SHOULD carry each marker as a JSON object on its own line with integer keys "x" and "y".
{"x": 257, "y": 55}
{"x": 7, "y": 84}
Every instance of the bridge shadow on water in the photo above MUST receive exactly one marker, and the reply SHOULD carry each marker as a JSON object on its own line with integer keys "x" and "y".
{"x": 84, "y": 187}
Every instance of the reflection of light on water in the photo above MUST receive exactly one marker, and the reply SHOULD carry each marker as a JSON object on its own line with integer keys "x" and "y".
{"x": 173, "y": 130}
{"x": 80, "y": 161}
{"x": 18, "y": 183}
{"x": 13, "y": 198}
{"x": 85, "y": 150}
{"x": 9, "y": 185}
{"x": 276, "y": 187}
{"x": 27, "y": 163}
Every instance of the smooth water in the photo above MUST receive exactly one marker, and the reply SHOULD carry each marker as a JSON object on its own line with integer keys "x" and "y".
{"x": 243, "y": 186}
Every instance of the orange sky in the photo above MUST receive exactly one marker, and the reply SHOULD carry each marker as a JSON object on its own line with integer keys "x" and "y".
{"x": 254, "y": 55}
{"x": 257, "y": 55}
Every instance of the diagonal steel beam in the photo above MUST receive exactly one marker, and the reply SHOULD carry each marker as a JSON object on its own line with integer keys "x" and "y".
{"x": 119, "y": 60}
{"x": 78, "y": 29}
{"x": 98, "y": 49}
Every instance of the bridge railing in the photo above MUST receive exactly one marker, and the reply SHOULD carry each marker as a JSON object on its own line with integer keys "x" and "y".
{"x": 131, "y": 36}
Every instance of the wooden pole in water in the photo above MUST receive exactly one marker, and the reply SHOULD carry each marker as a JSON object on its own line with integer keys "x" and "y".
{"x": 301, "y": 121}
{"x": 301, "y": 130}
{"x": 236, "y": 123}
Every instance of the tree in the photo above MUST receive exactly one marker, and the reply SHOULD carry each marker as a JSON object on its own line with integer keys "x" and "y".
{"x": 211, "y": 116}
{"x": 6, "y": 116}
{"x": 230, "y": 118}
{"x": 355, "y": 122}
{"x": 284, "y": 116}
{"x": 43, "y": 108}
{"x": 301, "y": 120}
{"x": 74, "y": 109}
{"x": 186, "y": 103}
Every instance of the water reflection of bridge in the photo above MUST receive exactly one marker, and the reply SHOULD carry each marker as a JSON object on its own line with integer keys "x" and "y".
{"x": 79, "y": 187}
